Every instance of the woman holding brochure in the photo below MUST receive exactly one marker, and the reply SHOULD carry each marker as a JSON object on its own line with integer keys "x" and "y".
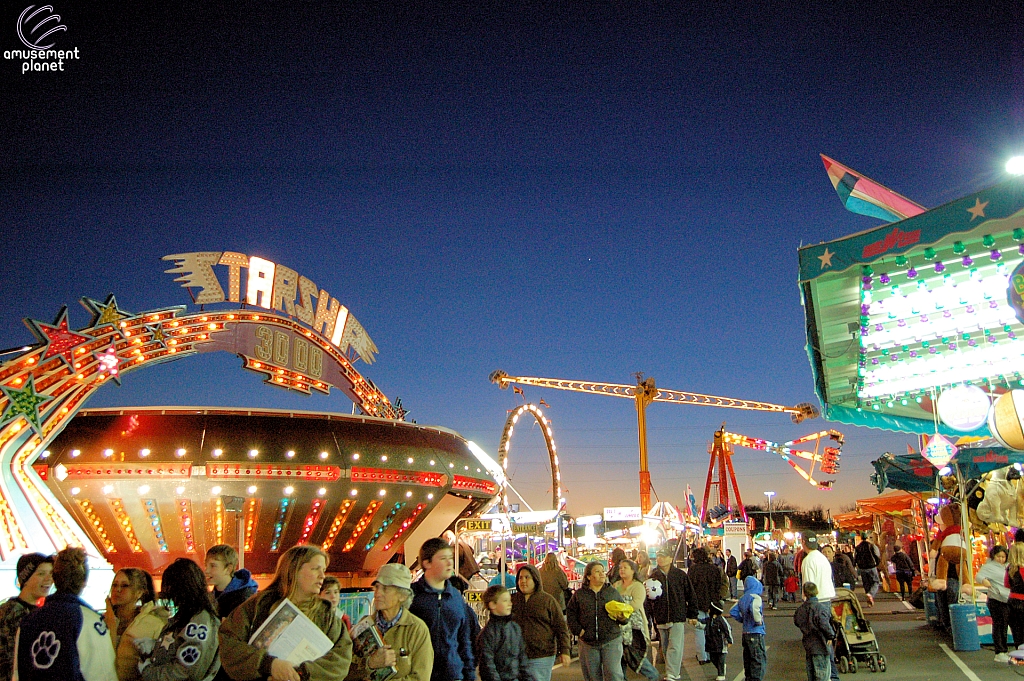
{"x": 405, "y": 637}
{"x": 300, "y": 574}
{"x": 186, "y": 648}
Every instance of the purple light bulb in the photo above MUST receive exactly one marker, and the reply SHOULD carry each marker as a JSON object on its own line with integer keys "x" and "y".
{"x": 967, "y": 261}
{"x": 883, "y": 278}
{"x": 911, "y": 273}
{"x": 939, "y": 268}
{"x": 995, "y": 254}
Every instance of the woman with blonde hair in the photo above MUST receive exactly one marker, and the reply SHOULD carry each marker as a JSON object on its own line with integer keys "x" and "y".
{"x": 1015, "y": 581}
{"x": 553, "y": 579}
{"x": 132, "y": 613}
{"x": 300, "y": 574}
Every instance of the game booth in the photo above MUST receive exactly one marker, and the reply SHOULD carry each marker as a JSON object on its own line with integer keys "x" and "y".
{"x": 915, "y": 326}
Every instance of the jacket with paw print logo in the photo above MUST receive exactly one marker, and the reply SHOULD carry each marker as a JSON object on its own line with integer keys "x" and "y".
{"x": 64, "y": 639}
{"x": 186, "y": 654}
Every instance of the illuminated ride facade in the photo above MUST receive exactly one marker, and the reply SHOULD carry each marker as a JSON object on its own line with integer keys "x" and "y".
{"x": 898, "y": 315}
{"x": 141, "y": 487}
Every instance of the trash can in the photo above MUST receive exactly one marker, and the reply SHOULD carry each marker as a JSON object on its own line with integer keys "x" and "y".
{"x": 963, "y": 620}
{"x": 931, "y": 610}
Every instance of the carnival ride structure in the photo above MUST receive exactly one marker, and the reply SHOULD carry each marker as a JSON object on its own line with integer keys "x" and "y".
{"x": 720, "y": 466}
{"x": 643, "y": 394}
{"x": 505, "y": 445}
{"x": 141, "y": 487}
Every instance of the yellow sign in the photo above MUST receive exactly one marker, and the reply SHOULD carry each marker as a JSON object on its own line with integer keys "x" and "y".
{"x": 272, "y": 287}
{"x": 474, "y": 596}
{"x": 477, "y": 526}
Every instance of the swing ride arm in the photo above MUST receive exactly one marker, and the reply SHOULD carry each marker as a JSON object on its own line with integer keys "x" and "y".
{"x": 644, "y": 393}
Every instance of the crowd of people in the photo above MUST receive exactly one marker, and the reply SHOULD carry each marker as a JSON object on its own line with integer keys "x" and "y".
{"x": 200, "y": 626}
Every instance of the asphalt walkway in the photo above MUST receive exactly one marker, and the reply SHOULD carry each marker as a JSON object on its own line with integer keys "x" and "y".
{"x": 914, "y": 651}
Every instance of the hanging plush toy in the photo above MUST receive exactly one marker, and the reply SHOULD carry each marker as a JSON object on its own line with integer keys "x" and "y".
{"x": 947, "y": 547}
{"x": 1000, "y": 505}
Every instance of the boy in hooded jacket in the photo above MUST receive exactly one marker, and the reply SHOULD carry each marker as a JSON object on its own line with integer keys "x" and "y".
{"x": 717, "y": 638}
{"x": 499, "y": 647}
{"x": 750, "y": 611}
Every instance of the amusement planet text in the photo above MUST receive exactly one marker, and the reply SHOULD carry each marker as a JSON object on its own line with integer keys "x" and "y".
{"x": 41, "y": 60}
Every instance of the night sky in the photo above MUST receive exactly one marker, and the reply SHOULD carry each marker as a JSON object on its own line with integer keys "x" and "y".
{"x": 572, "y": 190}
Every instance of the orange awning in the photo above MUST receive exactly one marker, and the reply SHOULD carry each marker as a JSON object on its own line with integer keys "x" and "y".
{"x": 854, "y": 521}
{"x": 891, "y": 502}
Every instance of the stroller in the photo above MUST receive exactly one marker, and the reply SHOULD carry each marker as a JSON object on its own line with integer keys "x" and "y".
{"x": 855, "y": 640}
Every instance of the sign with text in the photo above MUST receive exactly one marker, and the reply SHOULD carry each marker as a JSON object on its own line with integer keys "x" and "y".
{"x": 622, "y": 513}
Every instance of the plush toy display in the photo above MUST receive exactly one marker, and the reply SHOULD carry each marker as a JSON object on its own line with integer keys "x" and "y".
{"x": 1001, "y": 503}
{"x": 947, "y": 547}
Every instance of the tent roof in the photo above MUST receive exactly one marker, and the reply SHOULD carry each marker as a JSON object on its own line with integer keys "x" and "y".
{"x": 854, "y": 521}
{"x": 900, "y": 309}
{"x": 890, "y": 502}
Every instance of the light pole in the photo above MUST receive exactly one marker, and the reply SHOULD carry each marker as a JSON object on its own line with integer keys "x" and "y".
{"x": 771, "y": 523}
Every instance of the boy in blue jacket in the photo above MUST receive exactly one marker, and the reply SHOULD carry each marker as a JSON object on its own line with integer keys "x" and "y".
{"x": 499, "y": 647}
{"x": 750, "y": 611}
{"x": 815, "y": 623}
{"x": 440, "y": 605}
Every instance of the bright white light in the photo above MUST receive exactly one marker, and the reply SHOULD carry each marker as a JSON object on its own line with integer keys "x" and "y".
{"x": 1015, "y": 166}
{"x": 108, "y": 452}
{"x": 384, "y": 458}
{"x": 61, "y": 471}
{"x": 290, "y": 454}
{"x": 322, "y": 491}
{"x": 323, "y": 456}
{"x": 75, "y": 490}
{"x": 933, "y": 500}
{"x": 108, "y": 489}
{"x": 251, "y": 489}
{"x": 177, "y": 490}
{"x": 253, "y": 453}
{"x": 143, "y": 489}
{"x": 218, "y": 452}
{"x": 769, "y": 494}
{"x": 382, "y": 492}
{"x": 144, "y": 453}
{"x": 75, "y": 453}
{"x": 179, "y": 452}
{"x": 215, "y": 490}
{"x": 408, "y": 495}
{"x": 353, "y": 492}
{"x": 288, "y": 490}
{"x": 945, "y": 470}
{"x": 355, "y": 457}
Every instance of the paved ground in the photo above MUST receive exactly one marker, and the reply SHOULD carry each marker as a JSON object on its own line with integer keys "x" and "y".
{"x": 914, "y": 651}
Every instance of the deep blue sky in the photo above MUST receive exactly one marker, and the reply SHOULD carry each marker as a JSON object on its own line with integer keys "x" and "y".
{"x": 579, "y": 191}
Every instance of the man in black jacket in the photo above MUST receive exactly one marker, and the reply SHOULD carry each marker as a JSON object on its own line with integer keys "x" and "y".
{"x": 675, "y": 607}
{"x": 730, "y": 571}
{"x": 867, "y": 557}
{"x": 708, "y": 581}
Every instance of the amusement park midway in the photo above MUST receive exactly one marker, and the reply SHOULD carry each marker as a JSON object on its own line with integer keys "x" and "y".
{"x": 564, "y": 284}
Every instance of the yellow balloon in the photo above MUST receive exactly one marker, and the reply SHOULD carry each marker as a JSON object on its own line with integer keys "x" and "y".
{"x": 1005, "y": 420}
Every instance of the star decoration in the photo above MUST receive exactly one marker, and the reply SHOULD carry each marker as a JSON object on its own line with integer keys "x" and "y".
{"x": 158, "y": 334}
{"x": 57, "y": 338}
{"x": 106, "y": 312}
{"x": 109, "y": 363}
{"x": 24, "y": 402}
{"x": 826, "y": 258}
{"x": 978, "y": 209}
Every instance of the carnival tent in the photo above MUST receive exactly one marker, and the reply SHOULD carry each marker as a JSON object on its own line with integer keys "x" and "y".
{"x": 898, "y": 313}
